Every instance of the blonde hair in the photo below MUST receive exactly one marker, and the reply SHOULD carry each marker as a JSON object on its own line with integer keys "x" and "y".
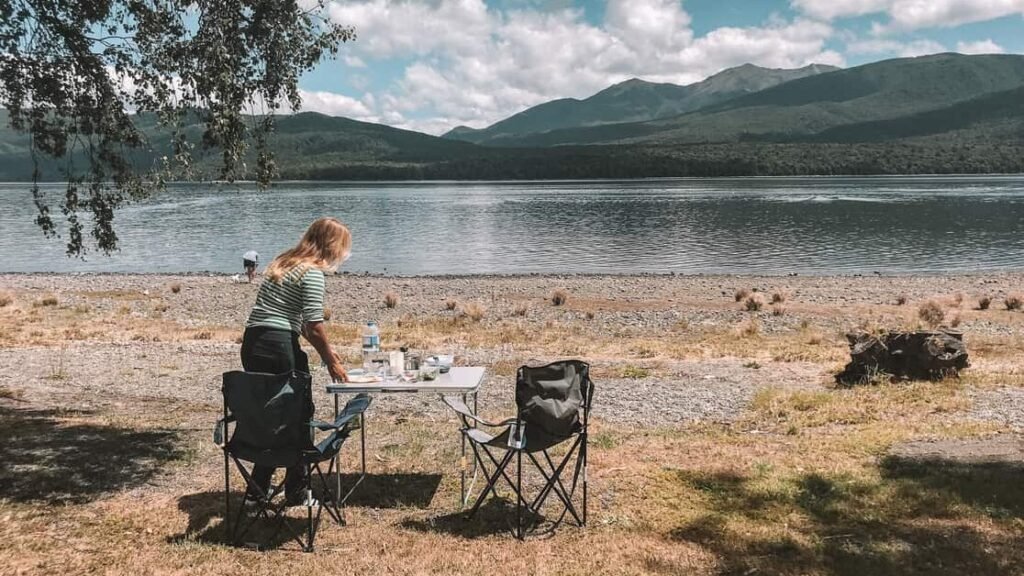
{"x": 324, "y": 245}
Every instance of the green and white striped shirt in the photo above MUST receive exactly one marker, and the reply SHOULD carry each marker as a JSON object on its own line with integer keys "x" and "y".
{"x": 297, "y": 300}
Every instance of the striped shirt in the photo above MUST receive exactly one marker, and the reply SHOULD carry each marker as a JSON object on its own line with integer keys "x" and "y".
{"x": 297, "y": 300}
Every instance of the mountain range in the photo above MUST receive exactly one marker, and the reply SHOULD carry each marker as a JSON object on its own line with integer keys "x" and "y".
{"x": 942, "y": 113}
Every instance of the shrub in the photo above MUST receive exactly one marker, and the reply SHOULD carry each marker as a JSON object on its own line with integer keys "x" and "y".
{"x": 451, "y": 305}
{"x": 1014, "y": 302}
{"x": 984, "y": 302}
{"x": 559, "y": 297}
{"x": 590, "y": 315}
{"x": 48, "y": 301}
{"x": 778, "y": 298}
{"x": 778, "y": 310}
{"x": 328, "y": 314}
{"x": 750, "y": 328}
{"x": 391, "y": 299}
{"x": 815, "y": 339}
{"x": 955, "y": 322}
{"x": 754, "y": 303}
{"x": 741, "y": 294}
{"x": 901, "y": 300}
{"x": 204, "y": 335}
{"x": 160, "y": 307}
{"x": 931, "y": 313}
{"x": 958, "y": 298}
{"x": 635, "y": 372}
{"x": 5, "y": 300}
{"x": 175, "y": 288}
{"x": 474, "y": 311}
{"x": 519, "y": 310}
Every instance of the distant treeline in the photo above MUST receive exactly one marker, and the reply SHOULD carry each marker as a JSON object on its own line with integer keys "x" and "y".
{"x": 738, "y": 159}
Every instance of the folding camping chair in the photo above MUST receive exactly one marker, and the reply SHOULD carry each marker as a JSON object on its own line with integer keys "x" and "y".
{"x": 553, "y": 405}
{"x": 272, "y": 427}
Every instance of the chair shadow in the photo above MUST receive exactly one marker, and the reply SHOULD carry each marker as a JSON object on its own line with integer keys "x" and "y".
{"x": 46, "y": 456}
{"x": 495, "y": 516}
{"x": 390, "y": 490}
{"x": 206, "y": 523}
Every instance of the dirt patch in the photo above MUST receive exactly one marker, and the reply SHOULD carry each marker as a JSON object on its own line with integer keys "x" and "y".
{"x": 1003, "y": 450}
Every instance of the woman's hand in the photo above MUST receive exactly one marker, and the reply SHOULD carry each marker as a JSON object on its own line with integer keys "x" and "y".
{"x": 337, "y": 370}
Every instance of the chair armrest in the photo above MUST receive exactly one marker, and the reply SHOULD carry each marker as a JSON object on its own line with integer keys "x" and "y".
{"x": 220, "y": 429}
{"x": 463, "y": 410}
{"x": 355, "y": 407}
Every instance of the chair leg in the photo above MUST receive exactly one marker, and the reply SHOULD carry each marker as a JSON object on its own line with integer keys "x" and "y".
{"x": 491, "y": 481}
{"x": 309, "y": 509}
{"x": 519, "y": 491}
{"x": 227, "y": 496}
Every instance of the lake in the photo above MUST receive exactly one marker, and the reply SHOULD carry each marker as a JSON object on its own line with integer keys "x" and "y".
{"x": 728, "y": 225}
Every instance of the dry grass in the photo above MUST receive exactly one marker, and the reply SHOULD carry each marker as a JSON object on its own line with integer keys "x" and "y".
{"x": 175, "y": 287}
{"x": 753, "y": 303}
{"x": 1014, "y": 302}
{"x": 778, "y": 297}
{"x": 559, "y": 297}
{"x": 778, "y": 310}
{"x": 203, "y": 335}
{"x": 328, "y": 314}
{"x": 901, "y": 300}
{"x": 589, "y": 315}
{"x": 391, "y": 299}
{"x": 984, "y": 302}
{"x": 6, "y": 299}
{"x": 958, "y": 299}
{"x": 474, "y": 311}
{"x": 741, "y": 294}
{"x": 750, "y": 328}
{"x": 801, "y": 483}
{"x": 451, "y": 305}
{"x": 47, "y": 301}
{"x": 931, "y": 313}
{"x": 520, "y": 309}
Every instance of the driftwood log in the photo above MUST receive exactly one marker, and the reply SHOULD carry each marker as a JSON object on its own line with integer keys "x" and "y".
{"x": 922, "y": 355}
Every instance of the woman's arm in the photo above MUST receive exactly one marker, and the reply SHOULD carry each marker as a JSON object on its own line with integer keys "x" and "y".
{"x": 317, "y": 336}
{"x": 313, "y": 288}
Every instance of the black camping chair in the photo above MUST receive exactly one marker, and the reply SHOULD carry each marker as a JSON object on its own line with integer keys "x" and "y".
{"x": 272, "y": 426}
{"x": 553, "y": 405}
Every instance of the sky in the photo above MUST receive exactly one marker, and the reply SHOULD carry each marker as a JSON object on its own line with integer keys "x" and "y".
{"x": 431, "y": 65}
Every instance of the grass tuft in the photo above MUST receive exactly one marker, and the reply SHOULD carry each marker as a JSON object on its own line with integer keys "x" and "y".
{"x": 778, "y": 310}
{"x": 742, "y": 294}
{"x": 1014, "y": 302}
{"x": 47, "y": 301}
{"x": 203, "y": 335}
{"x": 451, "y": 305}
{"x": 176, "y": 287}
{"x": 901, "y": 300}
{"x": 931, "y": 313}
{"x": 984, "y": 302}
{"x": 391, "y": 299}
{"x": 559, "y": 297}
{"x": 474, "y": 311}
{"x": 635, "y": 372}
{"x": 778, "y": 297}
{"x": 328, "y": 314}
{"x": 754, "y": 303}
{"x": 5, "y": 300}
{"x": 520, "y": 309}
{"x": 589, "y": 315}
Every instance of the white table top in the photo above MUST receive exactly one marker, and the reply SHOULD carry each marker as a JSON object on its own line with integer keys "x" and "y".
{"x": 460, "y": 379}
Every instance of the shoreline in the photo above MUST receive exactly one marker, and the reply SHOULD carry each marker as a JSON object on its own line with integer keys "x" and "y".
{"x": 998, "y": 274}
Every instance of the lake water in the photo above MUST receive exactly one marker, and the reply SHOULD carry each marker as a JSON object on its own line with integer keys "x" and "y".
{"x": 745, "y": 225}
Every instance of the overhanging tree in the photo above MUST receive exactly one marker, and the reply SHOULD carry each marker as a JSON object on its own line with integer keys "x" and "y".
{"x": 76, "y": 77}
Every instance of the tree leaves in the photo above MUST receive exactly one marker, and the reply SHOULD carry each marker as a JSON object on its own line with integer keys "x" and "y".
{"x": 77, "y": 76}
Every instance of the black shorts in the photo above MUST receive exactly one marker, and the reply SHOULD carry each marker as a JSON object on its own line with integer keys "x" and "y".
{"x": 248, "y": 263}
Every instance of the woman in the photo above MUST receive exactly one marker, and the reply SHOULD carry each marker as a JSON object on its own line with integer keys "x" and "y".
{"x": 290, "y": 303}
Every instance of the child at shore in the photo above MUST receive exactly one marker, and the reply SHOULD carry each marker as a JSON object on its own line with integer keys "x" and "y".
{"x": 249, "y": 260}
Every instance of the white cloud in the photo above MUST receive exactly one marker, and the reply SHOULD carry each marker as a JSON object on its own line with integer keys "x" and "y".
{"x": 875, "y": 46}
{"x": 979, "y": 47}
{"x": 334, "y": 104}
{"x": 905, "y": 15}
{"x": 474, "y": 65}
{"x": 353, "y": 61}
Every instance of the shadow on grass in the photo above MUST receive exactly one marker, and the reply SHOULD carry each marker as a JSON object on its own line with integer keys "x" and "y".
{"x": 918, "y": 517}
{"x": 206, "y": 523}
{"x": 46, "y": 456}
{"x": 391, "y": 490}
{"x": 496, "y": 516}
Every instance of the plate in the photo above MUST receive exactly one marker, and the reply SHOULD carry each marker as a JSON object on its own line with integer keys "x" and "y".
{"x": 363, "y": 379}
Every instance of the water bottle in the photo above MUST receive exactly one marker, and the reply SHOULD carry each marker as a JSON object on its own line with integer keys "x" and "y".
{"x": 371, "y": 344}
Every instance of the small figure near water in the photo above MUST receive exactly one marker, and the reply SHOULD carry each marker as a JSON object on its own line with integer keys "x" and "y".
{"x": 249, "y": 260}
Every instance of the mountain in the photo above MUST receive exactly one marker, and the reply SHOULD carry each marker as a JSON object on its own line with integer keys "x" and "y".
{"x": 303, "y": 143}
{"x": 803, "y": 108}
{"x": 633, "y": 101}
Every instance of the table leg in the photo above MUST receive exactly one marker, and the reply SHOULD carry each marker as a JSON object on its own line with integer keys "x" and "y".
{"x": 462, "y": 466}
{"x": 337, "y": 467}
